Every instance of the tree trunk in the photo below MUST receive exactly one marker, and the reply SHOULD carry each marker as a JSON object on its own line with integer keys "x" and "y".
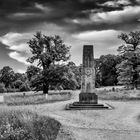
{"x": 45, "y": 82}
{"x": 45, "y": 88}
{"x": 135, "y": 78}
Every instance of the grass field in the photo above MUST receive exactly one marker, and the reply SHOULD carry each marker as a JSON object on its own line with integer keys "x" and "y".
{"x": 82, "y": 124}
{"x": 35, "y": 98}
{"x": 105, "y": 93}
{"x": 118, "y": 94}
{"x": 18, "y": 123}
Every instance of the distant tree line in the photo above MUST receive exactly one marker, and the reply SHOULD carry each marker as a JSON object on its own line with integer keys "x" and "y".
{"x": 124, "y": 68}
{"x": 106, "y": 71}
{"x": 54, "y": 72}
{"x": 60, "y": 77}
{"x": 12, "y": 82}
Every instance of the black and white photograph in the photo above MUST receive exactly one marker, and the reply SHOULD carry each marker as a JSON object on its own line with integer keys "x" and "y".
{"x": 69, "y": 69}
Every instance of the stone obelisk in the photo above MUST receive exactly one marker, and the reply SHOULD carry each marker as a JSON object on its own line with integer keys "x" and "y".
{"x": 87, "y": 94}
{"x": 87, "y": 97}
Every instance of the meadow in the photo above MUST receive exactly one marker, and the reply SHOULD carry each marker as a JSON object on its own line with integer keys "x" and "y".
{"x": 117, "y": 93}
{"x": 29, "y": 115}
{"x": 26, "y": 98}
{"x": 18, "y": 122}
{"x": 106, "y": 93}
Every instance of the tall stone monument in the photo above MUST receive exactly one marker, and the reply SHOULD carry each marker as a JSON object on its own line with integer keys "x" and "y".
{"x": 87, "y": 97}
{"x": 87, "y": 94}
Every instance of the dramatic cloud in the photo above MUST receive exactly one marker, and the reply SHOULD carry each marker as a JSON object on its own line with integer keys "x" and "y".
{"x": 97, "y": 35}
{"x": 73, "y": 16}
{"x": 17, "y": 56}
{"x": 128, "y": 14}
{"x": 104, "y": 41}
{"x": 116, "y": 3}
{"x": 13, "y": 41}
{"x": 16, "y": 43}
{"x": 78, "y": 22}
{"x": 126, "y": 19}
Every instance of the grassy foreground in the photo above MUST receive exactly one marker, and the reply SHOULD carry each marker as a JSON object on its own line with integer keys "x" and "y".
{"x": 35, "y": 98}
{"x": 25, "y": 125}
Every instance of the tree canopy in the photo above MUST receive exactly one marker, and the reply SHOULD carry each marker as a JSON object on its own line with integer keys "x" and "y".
{"x": 129, "y": 68}
{"x": 46, "y": 51}
{"x": 105, "y": 68}
{"x": 11, "y": 81}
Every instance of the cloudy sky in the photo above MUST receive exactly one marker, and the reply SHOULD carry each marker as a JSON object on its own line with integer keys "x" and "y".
{"x": 78, "y": 22}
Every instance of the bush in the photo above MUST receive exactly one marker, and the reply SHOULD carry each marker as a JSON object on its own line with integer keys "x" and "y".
{"x": 19, "y": 125}
{"x": 18, "y": 83}
{"x": 2, "y": 88}
{"x": 24, "y": 87}
{"x": 12, "y": 90}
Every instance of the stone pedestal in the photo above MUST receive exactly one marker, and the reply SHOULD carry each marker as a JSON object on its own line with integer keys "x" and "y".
{"x": 88, "y": 98}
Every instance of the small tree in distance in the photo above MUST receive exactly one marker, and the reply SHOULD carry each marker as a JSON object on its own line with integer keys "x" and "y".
{"x": 105, "y": 68}
{"x": 7, "y": 76}
{"x": 129, "y": 68}
{"x": 47, "y": 50}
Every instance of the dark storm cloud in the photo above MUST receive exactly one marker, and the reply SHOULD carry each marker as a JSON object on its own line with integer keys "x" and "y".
{"x": 77, "y": 21}
{"x": 21, "y": 15}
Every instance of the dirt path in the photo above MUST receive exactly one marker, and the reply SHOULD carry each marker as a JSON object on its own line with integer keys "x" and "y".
{"x": 117, "y": 124}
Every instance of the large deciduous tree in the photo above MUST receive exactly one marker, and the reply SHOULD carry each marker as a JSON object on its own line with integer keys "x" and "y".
{"x": 47, "y": 50}
{"x": 129, "y": 68}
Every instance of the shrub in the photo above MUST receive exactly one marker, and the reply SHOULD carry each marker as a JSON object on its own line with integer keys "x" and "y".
{"x": 24, "y": 87}
{"x": 2, "y": 88}
{"x": 19, "y": 125}
{"x": 12, "y": 89}
{"x": 18, "y": 83}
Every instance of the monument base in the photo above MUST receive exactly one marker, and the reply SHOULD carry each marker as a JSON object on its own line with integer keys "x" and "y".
{"x": 88, "y": 98}
{"x": 87, "y": 101}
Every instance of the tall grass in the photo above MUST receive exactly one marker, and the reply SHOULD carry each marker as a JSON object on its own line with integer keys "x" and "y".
{"x": 26, "y": 125}
{"x": 32, "y": 98}
{"x": 119, "y": 94}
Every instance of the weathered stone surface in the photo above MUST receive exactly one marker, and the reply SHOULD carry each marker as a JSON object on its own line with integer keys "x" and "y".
{"x": 88, "y": 97}
{"x": 88, "y": 70}
{"x": 88, "y": 76}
